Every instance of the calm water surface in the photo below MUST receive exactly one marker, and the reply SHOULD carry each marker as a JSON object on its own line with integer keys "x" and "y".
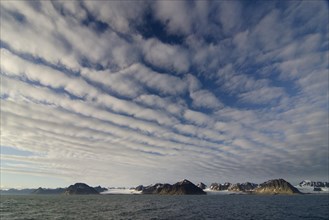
{"x": 165, "y": 207}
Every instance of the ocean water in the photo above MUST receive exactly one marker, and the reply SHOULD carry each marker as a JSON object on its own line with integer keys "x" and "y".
{"x": 164, "y": 207}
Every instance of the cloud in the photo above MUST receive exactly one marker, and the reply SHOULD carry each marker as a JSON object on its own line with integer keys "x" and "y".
{"x": 205, "y": 99}
{"x": 121, "y": 16}
{"x": 214, "y": 89}
{"x": 169, "y": 104}
{"x": 163, "y": 83}
{"x": 15, "y": 66}
{"x": 175, "y": 15}
{"x": 117, "y": 82}
{"x": 37, "y": 26}
{"x": 193, "y": 83}
{"x": 262, "y": 95}
{"x": 230, "y": 10}
{"x": 197, "y": 118}
{"x": 166, "y": 56}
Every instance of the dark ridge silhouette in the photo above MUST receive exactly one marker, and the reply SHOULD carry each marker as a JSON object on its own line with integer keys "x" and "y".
{"x": 184, "y": 187}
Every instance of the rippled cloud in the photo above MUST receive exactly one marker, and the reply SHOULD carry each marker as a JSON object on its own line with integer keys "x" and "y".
{"x": 126, "y": 93}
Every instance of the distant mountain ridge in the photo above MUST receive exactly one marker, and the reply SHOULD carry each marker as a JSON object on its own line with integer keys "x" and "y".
{"x": 76, "y": 189}
{"x": 276, "y": 186}
{"x": 13, "y": 191}
{"x": 219, "y": 186}
{"x": 184, "y": 187}
{"x": 313, "y": 183}
{"x": 238, "y": 187}
{"x": 43, "y": 191}
{"x": 308, "y": 186}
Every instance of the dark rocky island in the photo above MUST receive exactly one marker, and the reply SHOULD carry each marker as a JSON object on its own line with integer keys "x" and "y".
{"x": 276, "y": 186}
{"x": 184, "y": 187}
{"x": 80, "y": 189}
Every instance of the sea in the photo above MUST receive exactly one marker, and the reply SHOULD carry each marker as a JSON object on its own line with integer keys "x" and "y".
{"x": 164, "y": 207}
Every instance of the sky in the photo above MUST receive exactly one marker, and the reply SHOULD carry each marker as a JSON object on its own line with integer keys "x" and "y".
{"x": 122, "y": 93}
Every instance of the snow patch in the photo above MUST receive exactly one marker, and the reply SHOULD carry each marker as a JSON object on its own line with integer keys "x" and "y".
{"x": 221, "y": 192}
{"x": 310, "y": 189}
{"x": 121, "y": 191}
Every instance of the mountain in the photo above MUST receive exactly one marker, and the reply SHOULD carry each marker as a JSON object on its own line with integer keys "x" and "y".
{"x": 310, "y": 183}
{"x": 139, "y": 188}
{"x": 80, "y": 189}
{"x": 242, "y": 187}
{"x": 43, "y": 191}
{"x": 100, "y": 189}
{"x": 201, "y": 185}
{"x": 220, "y": 187}
{"x": 16, "y": 191}
{"x": 238, "y": 187}
{"x": 276, "y": 186}
{"x": 184, "y": 187}
{"x": 308, "y": 186}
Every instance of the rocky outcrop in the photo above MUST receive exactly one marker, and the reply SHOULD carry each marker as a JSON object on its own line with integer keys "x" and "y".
{"x": 80, "y": 189}
{"x": 219, "y": 187}
{"x": 242, "y": 187}
{"x": 44, "y": 191}
{"x": 237, "y": 187}
{"x": 308, "y": 186}
{"x": 39, "y": 191}
{"x": 184, "y": 187}
{"x": 139, "y": 188}
{"x": 247, "y": 186}
{"x": 100, "y": 189}
{"x": 315, "y": 184}
{"x": 276, "y": 186}
{"x": 201, "y": 185}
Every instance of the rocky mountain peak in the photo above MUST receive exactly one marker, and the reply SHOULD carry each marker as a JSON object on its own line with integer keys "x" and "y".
{"x": 201, "y": 185}
{"x": 180, "y": 188}
{"x": 313, "y": 183}
{"x": 80, "y": 189}
{"x": 184, "y": 181}
{"x": 276, "y": 186}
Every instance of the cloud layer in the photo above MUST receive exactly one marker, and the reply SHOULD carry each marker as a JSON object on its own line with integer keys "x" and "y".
{"x": 126, "y": 93}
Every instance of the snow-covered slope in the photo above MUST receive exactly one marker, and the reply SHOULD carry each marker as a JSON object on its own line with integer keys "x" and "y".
{"x": 222, "y": 192}
{"x": 120, "y": 191}
{"x": 237, "y": 187}
{"x": 308, "y": 186}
